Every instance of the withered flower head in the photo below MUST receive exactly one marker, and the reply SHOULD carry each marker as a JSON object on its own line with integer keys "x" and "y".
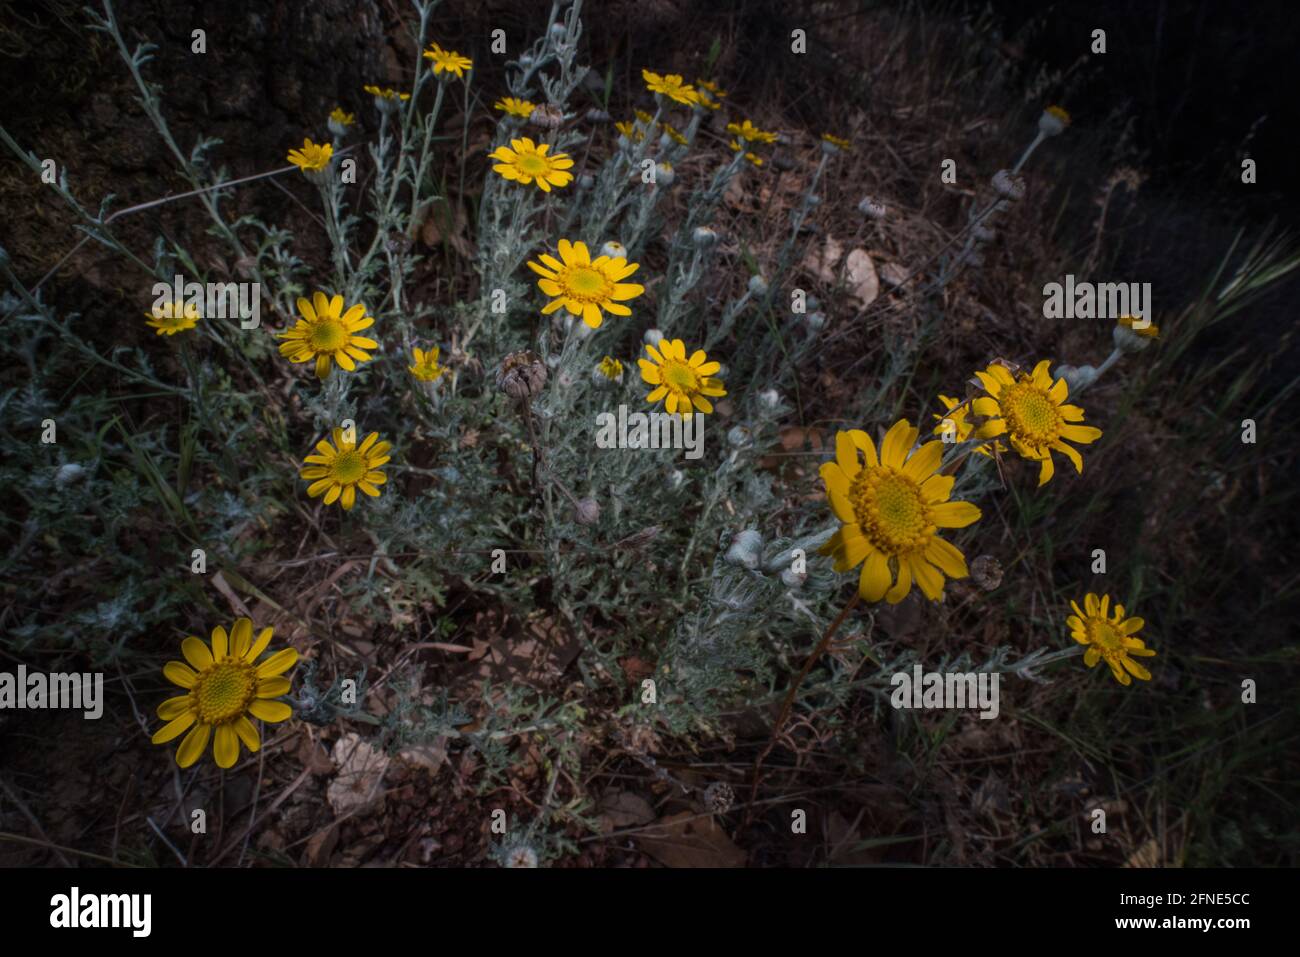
{"x": 522, "y": 375}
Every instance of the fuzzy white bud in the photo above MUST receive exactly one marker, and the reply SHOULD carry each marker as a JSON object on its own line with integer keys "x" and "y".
{"x": 68, "y": 473}
{"x": 746, "y": 549}
{"x": 1076, "y": 377}
{"x": 740, "y": 437}
{"x": 1008, "y": 185}
{"x": 872, "y": 209}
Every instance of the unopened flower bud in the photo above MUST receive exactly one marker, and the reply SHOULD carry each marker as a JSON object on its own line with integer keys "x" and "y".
{"x": 872, "y": 209}
{"x": 586, "y": 512}
{"x": 664, "y": 174}
{"x": 1076, "y": 377}
{"x": 746, "y": 549}
{"x": 586, "y": 181}
{"x": 740, "y": 437}
{"x": 614, "y": 250}
{"x": 704, "y": 237}
{"x": 986, "y": 571}
{"x": 1133, "y": 334}
{"x": 68, "y": 473}
{"x": 547, "y": 116}
{"x": 521, "y": 855}
{"x": 609, "y": 371}
{"x": 1008, "y": 185}
{"x": 793, "y": 579}
{"x": 1053, "y": 121}
{"x": 757, "y": 285}
{"x": 653, "y": 337}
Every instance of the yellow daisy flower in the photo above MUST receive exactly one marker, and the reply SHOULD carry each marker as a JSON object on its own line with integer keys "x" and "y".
{"x": 513, "y": 106}
{"x": 311, "y": 157}
{"x": 630, "y": 130}
{"x": 680, "y": 381}
{"x": 426, "y": 367}
{"x": 837, "y": 142}
{"x": 1059, "y": 113}
{"x": 1112, "y": 637}
{"x": 708, "y": 94}
{"x": 750, "y": 133}
{"x": 385, "y": 93}
{"x": 224, "y": 685}
{"x": 611, "y": 369}
{"x": 892, "y": 507}
{"x": 337, "y": 115}
{"x": 645, "y": 118}
{"x": 1150, "y": 331}
{"x": 586, "y": 286}
{"x": 337, "y": 473}
{"x": 173, "y": 317}
{"x": 447, "y": 61}
{"x": 671, "y": 86}
{"x": 1029, "y": 409}
{"x": 961, "y": 426}
{"x": 752, "y": 157}
{"x": 673, "y": 135}
{"x": 326, "y": 332}
{"x": 524, "y": 161}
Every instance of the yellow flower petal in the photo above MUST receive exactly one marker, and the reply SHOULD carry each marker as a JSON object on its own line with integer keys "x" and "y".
{"x": 270, "y": 711}
{"x": 220, "y": 643}
{"x": 179, "y": 673}
{"x": 192, "y": 747}
{"x": 278, "y": 663}
{"x": 225, "y": 749}
{"x": 174, "y": 727}
{"x": 196, "y": 653}
{"x": 874, "y": 581}
{"x": 248, "y": 734}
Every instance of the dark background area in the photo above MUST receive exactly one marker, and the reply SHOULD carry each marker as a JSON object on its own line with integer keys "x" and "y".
{"x": 1198, "y": 84}
{"x": 1208, "y": 84}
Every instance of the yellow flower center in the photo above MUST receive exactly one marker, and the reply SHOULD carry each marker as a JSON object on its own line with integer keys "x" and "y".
{"x": 532, "y": 163}
{"x": 890, "y": 510}
{"x": 1105, "y": 637}
{"x": 348, "y": 468}
{"x": 328, "y": 336}
{"x": 680, "y": 377}
{"x": 587, "y": 284}
{"x": 224, "y": 690}
{"x": 1031, "y": 414}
